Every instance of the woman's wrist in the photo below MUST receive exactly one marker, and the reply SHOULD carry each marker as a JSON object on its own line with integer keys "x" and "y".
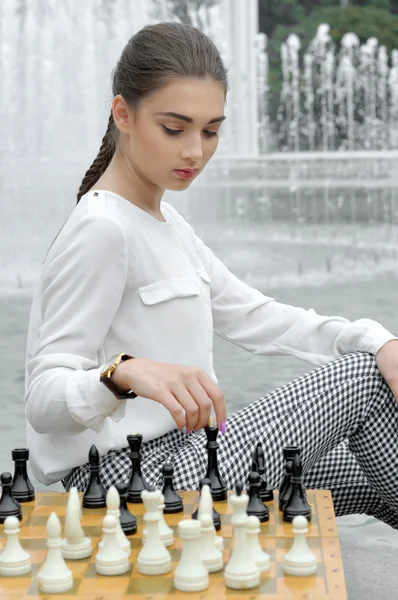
{"x": 121, "y": 377}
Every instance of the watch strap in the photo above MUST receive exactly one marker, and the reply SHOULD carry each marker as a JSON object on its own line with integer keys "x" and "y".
{"x": 107, "y": 381}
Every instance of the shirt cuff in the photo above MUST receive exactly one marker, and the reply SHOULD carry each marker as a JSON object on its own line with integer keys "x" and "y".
{"x": 90, "y": 402}
{"x": 364, "y": 335}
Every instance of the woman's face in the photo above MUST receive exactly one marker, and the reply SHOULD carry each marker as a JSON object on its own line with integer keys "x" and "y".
{"x": 159, "y": 144}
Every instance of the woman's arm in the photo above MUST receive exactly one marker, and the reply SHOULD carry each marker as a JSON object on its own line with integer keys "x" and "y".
{"x": 82, "y": 286}
{"x": 259, "y": 324}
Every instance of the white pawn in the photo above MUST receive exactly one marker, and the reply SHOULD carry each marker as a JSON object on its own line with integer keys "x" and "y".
{"x": 299, "y": 560}
{"x": 261, "y": 558}
{"x": 241, "y": 571}
{"x": 111, "y": 559}
{"x": 153, "y": 558}
{"x": 166, "y": 533}
{"x": 206, "y": 508}
{"x": 191, "y": 575}
{"x": 54, "y": 576}
{"x": 75, "y": 545}
{"x": 211, "y": 557}
{"x": 14, "y": 560}
{"x": 113, "y": 509}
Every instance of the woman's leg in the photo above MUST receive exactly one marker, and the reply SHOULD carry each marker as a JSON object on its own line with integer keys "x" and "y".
{"x": 344, "y": 399}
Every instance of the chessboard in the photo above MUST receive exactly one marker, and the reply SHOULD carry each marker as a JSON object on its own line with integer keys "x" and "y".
{"x": 276, "y": 539}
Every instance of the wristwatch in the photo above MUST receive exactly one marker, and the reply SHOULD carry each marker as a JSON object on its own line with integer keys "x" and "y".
{"x": 106, "y": 374}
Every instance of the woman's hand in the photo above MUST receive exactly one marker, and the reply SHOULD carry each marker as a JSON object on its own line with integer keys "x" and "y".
{"x": 177, "y": 387}
{"x": 387, "y": 362}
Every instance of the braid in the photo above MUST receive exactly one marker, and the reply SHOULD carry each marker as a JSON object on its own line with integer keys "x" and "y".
{"x": 101, "y": 162}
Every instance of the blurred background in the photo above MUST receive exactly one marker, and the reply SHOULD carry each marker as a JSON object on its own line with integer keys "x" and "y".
{"x": 300, "y": 200}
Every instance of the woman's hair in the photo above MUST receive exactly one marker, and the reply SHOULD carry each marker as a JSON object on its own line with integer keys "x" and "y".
{"x": 153, "y": 56}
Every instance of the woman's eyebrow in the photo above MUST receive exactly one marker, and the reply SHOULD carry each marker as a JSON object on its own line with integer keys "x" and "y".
{"x": 189, "y": 119}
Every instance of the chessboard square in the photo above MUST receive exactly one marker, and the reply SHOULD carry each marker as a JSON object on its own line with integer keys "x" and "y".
{"x": 36, "y": 521}
{"x": 34, "y": 590}
{"x": 14, "y": 586}
{"x": 28, "y": 533}
{"x": 91, "y": 531}
{"x": 151, "y": 585}
{"x": 34, "y": 543}
{"x": 311, "y": 586}
{"x": 135, "y": 542}
{"x": 109, "y": 585}
{"x": 59, "y": 499}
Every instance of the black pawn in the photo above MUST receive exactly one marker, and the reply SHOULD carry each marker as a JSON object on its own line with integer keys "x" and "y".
{"x": 255, "y": 506}
{"x": 22, "y": 488}
{"x": 217, "y": 485}
{"x": 289, "y": 452}
{"x": 258, "y": 465}
{"x": 172, "y": 501}
{"x": 95, "y": 495}
{"x": 127, "y": 520}
{"x": 216, "y": 515}
{"x": 9, "y": 507}
{"x": 297, "y": 503}
{"x": 136, "y": 483}
{"x": 239, "y": 488}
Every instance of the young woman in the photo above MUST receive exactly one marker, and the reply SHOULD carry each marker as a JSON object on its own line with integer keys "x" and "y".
{"x": 121, "y": 328}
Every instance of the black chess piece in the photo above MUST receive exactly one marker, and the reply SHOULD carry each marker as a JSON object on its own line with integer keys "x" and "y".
{"x": 172, "y": 501}
{"x": 22, "y": 488}
{"x": 239, "y": 488}
{"x": 95, "y": 495}
{"x": 127, "y": 520}
{"x": 137, "y": 482}
{"x": 255, "y": 506}
{"x": 258, "y": 465}
{"x": 217, "y": 485}
{"x": 289, "y": 453}
{"x": 9, "y": 507}
{"x": 297, "y": 503}
{"x": 216, "y": 515}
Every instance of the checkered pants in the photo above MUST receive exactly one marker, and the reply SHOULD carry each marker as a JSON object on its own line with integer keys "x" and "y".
{"x": 342, "y": 415}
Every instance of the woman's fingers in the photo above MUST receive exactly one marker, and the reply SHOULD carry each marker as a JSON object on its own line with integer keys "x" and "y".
{"x": 216, "y": 396}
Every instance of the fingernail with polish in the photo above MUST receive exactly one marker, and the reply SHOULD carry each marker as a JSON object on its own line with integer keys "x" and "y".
{"x": 223, "y": 427}
{"x": 189, "y": 431}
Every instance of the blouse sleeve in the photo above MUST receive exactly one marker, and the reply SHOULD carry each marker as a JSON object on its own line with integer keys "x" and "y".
{"x": 259, "y": 324}
{"x": 82, "y": 286}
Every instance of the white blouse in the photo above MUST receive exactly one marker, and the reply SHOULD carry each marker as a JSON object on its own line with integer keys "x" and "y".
{"x": 119, "y": 280}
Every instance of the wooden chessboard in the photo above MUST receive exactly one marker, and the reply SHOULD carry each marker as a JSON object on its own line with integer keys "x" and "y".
{"x": 276, "y": 539}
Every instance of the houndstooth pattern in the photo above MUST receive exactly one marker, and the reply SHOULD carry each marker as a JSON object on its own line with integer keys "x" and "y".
{"x": 342, "y": 415}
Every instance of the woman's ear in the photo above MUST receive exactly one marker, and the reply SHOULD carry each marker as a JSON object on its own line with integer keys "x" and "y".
{"x": 121, "y": 114}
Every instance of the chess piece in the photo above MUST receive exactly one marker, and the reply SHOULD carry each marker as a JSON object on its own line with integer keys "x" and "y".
{"x": 172, "y": 501}
{"x": 210, "y": 555}
{"x": 206, "y": 508}
{"x": 166, "y": 533}
{"x": 14, "y": 560}
{"x": 217, "y": 485}
{"x": 9, "y": 507}
{"x": 297, "y": 503}
{"x": 75, "y": 545}
{"x": 261, "y": 558}
{"x": 153, "y": 558}
{"x": 94, "y": 496}
{"x": 299, "y": 560}
{"x": 137, "y": 482}
{"x": 112, "y": 508}
{"x": 22, "y": 487}
{"x": 289, "y": 453}
{"x": 255, "y": 506}
{"x": 191, "y": 575}
{"x": 241, "y": 571}
{"x": 216, "y": 515}
{"x": 258, "y": 465}
{"x": 54, "y": 576}
{"x": 128, "y": 521}
{"x": 111, "y": 559}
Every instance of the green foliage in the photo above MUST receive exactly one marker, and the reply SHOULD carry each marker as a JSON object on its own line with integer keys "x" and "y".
{"x": 278, "y": 12}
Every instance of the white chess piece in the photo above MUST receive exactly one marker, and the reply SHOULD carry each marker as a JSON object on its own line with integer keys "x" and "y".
{"x": 111, "y": 559}
{"x": 54, "y": 576}
{"x": 299, "y": 560}
{"x": 75, "y": 545}
{"x": 113, "y": 508}
{"x": 206, "y": 508}
{"x": 14, "y": 560}
{"x": 166, "y": 533}
{"x": 241, "y": 571}
{"x": 211, "y": 557}
{"x": 191, "y": 575}
{"x": 261, "y": 558}
{"x": 153, "y": 558}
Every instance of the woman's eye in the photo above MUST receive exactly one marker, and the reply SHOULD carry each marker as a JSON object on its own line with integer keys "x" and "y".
{"x": 177, "y": 131}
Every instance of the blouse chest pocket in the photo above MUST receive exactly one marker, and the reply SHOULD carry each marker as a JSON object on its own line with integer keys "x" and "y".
{"x": 162, "y": 291}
